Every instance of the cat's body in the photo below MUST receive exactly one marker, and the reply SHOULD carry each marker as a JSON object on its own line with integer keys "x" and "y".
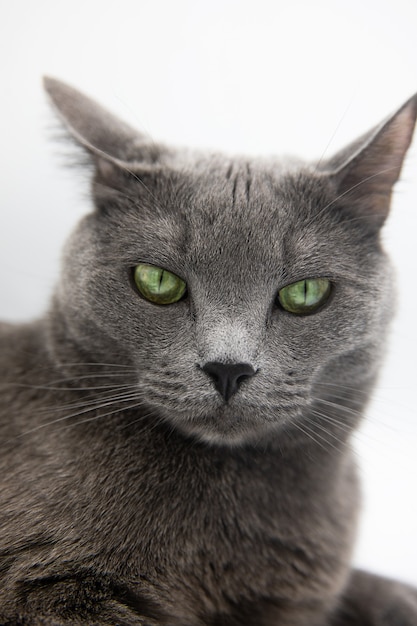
{"x": 143, "y": 480}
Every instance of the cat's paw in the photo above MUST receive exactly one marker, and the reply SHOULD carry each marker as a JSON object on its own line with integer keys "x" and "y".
{"x": 402, "y": 611}
{"x": 371, "y": 600}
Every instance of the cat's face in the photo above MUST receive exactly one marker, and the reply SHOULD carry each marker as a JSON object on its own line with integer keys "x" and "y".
{"x": 236, "y": 239}
{"x": 237, "y": 233}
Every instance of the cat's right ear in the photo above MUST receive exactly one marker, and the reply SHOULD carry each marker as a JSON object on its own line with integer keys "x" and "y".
{"x": 100, "y": 133}
{"x": 365, "y": 172}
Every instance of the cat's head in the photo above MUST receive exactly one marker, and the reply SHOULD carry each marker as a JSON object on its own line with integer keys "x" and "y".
{"x": 242, "y": 292}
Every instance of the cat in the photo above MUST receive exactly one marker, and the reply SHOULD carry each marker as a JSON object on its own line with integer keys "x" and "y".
{"x": 175, "y": 431}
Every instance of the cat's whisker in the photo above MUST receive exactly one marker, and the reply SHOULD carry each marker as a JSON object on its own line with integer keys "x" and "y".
{"x": 311, "y": 434}
{"x": 338, "y": 425}
{"x": 354, "y": 394}
{"x": 380, "y": 403}
{"x": 105, "y": 396}
{"x": 315, "y": 425}
{"x": 357, "y": 435}
{"x": 90, "y": 376}
{"x": 50, "y": 388}
{"x": 100, "y": 403}
{"x": 102, "y": 415}
{"x": 347, "y": 432}
{"x": 358, "y": 414}
{"x": 77, "y": 414}
{"x": 90, "y": 364}
{"x": 340, "y": 401}
{"x": 336, "y": 391}
{"x": 341, "y": 386}
{"x": 82, "y": 382}
{"x": 66, "y": 375}
{"x": 337, "y": 405}
{"x": 333, "y": 135}
{"x": 333, "y": 420}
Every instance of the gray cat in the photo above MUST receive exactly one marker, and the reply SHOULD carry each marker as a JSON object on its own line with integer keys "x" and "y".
{"x": 175, "y": 431}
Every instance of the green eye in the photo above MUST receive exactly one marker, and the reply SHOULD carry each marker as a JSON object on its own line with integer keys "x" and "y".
{"x": 158, "y": 285}
{"x": 304, "y": 296}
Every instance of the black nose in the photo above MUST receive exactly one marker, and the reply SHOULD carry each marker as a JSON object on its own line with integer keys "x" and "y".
{"x": 228, "y": 376}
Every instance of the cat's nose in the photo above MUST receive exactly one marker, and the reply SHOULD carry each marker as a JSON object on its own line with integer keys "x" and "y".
{"x": 228, "y": 376}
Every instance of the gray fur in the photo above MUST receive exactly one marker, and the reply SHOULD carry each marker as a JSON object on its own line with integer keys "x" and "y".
{"x": 132, "y": 494}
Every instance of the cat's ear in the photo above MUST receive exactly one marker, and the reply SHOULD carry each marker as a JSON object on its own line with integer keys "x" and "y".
{"x": 99, "y": 132}
{"x": 365, "y": 172}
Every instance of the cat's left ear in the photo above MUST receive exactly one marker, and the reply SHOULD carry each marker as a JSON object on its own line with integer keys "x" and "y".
{"x": 365, "y": 172}
{"x": 100, "y": 133}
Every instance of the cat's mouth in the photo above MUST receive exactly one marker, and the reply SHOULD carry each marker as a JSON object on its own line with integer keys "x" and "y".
{"x": 211, "y": 413}
{"x": 235, "y": 422}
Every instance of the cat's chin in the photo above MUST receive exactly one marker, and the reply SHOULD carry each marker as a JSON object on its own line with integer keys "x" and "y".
{"x": 226, "y": 427}
{"x": 231, "y": 438}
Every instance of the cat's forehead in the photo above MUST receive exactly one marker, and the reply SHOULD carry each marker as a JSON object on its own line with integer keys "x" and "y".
{"x": 223, "y": 196}
{"x": 250, "y": 206}
{"x": 232, "y": 216}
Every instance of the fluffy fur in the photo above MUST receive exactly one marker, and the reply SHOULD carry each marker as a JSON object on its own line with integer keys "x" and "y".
{"x": 132, "y": 493}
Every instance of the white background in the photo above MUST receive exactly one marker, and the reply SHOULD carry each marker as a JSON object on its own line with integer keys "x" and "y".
{"x": 261, "y": 77}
